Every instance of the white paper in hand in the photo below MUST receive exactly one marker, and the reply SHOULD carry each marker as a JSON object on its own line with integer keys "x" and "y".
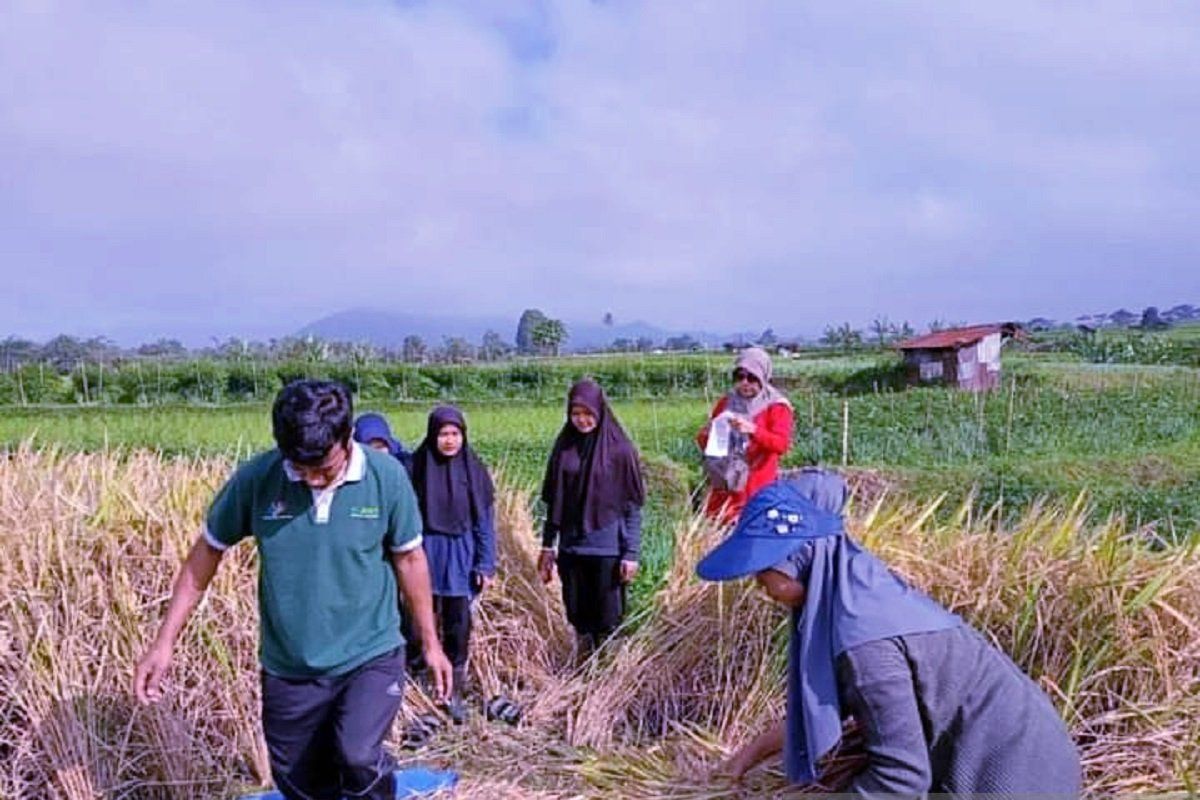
{"x": 718, "y": 436}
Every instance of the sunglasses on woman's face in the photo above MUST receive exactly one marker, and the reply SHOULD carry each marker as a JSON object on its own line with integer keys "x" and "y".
{"x": 740, "y": 375}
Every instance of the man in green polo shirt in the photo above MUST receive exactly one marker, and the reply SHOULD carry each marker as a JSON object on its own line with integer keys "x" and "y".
{"x": 338, "y": 529}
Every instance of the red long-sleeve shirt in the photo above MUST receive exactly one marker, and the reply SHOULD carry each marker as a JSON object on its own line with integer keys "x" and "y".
{"x": 772, "y": 438}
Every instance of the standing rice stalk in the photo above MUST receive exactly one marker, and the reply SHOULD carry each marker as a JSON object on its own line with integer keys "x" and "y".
{"x": 89, "y": 545}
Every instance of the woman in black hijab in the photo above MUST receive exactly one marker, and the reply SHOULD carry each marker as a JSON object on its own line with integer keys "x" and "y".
{"x": 456, "y": 496}
{"x": 593, "y": 493}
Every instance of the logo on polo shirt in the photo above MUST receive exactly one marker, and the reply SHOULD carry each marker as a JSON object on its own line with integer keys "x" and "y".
{"x": 277, "y": 511}
{"x": 364, "y": 512}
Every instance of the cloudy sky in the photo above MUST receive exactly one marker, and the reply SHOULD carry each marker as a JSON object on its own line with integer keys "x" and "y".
{"x": 230, "y": 168}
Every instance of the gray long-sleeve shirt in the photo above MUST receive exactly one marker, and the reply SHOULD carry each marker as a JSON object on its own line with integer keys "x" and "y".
{"x": 622, "y": 537}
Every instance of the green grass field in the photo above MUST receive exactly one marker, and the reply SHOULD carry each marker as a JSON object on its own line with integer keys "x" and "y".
{"x": 1127, "y": 436}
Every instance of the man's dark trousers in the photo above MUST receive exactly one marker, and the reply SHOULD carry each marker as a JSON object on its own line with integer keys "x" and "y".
{"x": 325, "y": 735}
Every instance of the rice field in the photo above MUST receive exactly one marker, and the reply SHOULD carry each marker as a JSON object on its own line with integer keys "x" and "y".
{"x": 89, "y": 543}
{"x": 1059, "y": 515}
{"x": 1129, "y": 438}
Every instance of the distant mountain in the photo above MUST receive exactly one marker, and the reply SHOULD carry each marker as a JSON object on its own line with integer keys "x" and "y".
{"x": 1185, "y": 312}
{"x": 584, "y": 336}
{"x": 1041, "y": 324}
{"x": 1124, "y": 318}
{"x": 388, "y": 329}
{"x": 591, "y": 336}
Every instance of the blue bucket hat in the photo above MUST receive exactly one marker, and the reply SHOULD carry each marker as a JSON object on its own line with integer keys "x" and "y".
{"x": 374, "y": 426}
{"x": 850, "y": 597}
{"x": 778, "y": 519}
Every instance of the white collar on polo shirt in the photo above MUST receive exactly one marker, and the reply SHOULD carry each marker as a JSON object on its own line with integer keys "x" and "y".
{"x": 355, "y": 469}
{"x": 323, "y": 498}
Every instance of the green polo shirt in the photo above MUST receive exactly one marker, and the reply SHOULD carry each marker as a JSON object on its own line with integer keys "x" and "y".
{"x": 326, "y": 585}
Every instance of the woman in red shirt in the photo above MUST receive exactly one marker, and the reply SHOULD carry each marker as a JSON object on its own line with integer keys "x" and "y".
{"x": 760, "y": 421}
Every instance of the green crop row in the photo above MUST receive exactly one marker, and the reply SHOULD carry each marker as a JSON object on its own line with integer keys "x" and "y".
{"x": 1131, "y": 439}
{"x": 217, "y": 382}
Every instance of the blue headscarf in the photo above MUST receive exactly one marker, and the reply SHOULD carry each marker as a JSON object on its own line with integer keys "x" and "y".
{"x": 850, "y": 598}
{"x": 374, "y": 426}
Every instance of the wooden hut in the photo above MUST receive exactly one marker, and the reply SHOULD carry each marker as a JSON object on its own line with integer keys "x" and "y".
{"x": 967, "y": 358}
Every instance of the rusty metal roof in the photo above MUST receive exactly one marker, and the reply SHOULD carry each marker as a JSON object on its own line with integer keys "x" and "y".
{"x": 953, "y": 338}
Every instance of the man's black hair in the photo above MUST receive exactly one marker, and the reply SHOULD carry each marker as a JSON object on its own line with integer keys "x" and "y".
{"x": 310, "y": 417}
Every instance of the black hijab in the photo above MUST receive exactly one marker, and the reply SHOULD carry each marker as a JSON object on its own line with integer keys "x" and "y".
{"x": 454, "y": 493}
{"x": 591, "y": 478}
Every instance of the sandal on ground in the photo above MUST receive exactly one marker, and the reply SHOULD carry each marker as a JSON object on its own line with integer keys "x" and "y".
{"x": 502, "y": 709}
{"x": 420, "y": 731}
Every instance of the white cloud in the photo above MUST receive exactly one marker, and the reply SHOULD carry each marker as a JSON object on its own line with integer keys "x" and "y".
{"x": 663, "y": 161}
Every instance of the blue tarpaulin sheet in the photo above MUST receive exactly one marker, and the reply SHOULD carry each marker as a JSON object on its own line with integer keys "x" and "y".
{"x": 409, "y": 782}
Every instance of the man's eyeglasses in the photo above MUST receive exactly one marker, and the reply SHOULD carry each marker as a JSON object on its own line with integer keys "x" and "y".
{"x": 328, "y": 471}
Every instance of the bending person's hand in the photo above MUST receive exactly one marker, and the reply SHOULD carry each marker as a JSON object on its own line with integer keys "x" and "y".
{"x": 149, "y": 673}
{"x": 441, "y": 672}
{"x": 762, "y": 747}
{"x": 546, "y": 566}
{"x": 735, "y": 767}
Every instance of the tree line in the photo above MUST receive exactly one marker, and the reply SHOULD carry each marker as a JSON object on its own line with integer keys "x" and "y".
{"x": 220, "y": 381}
{"x": 537, "y": 335}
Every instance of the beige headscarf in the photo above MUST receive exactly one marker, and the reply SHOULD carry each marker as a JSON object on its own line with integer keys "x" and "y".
{"x": 756, "y": 361}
